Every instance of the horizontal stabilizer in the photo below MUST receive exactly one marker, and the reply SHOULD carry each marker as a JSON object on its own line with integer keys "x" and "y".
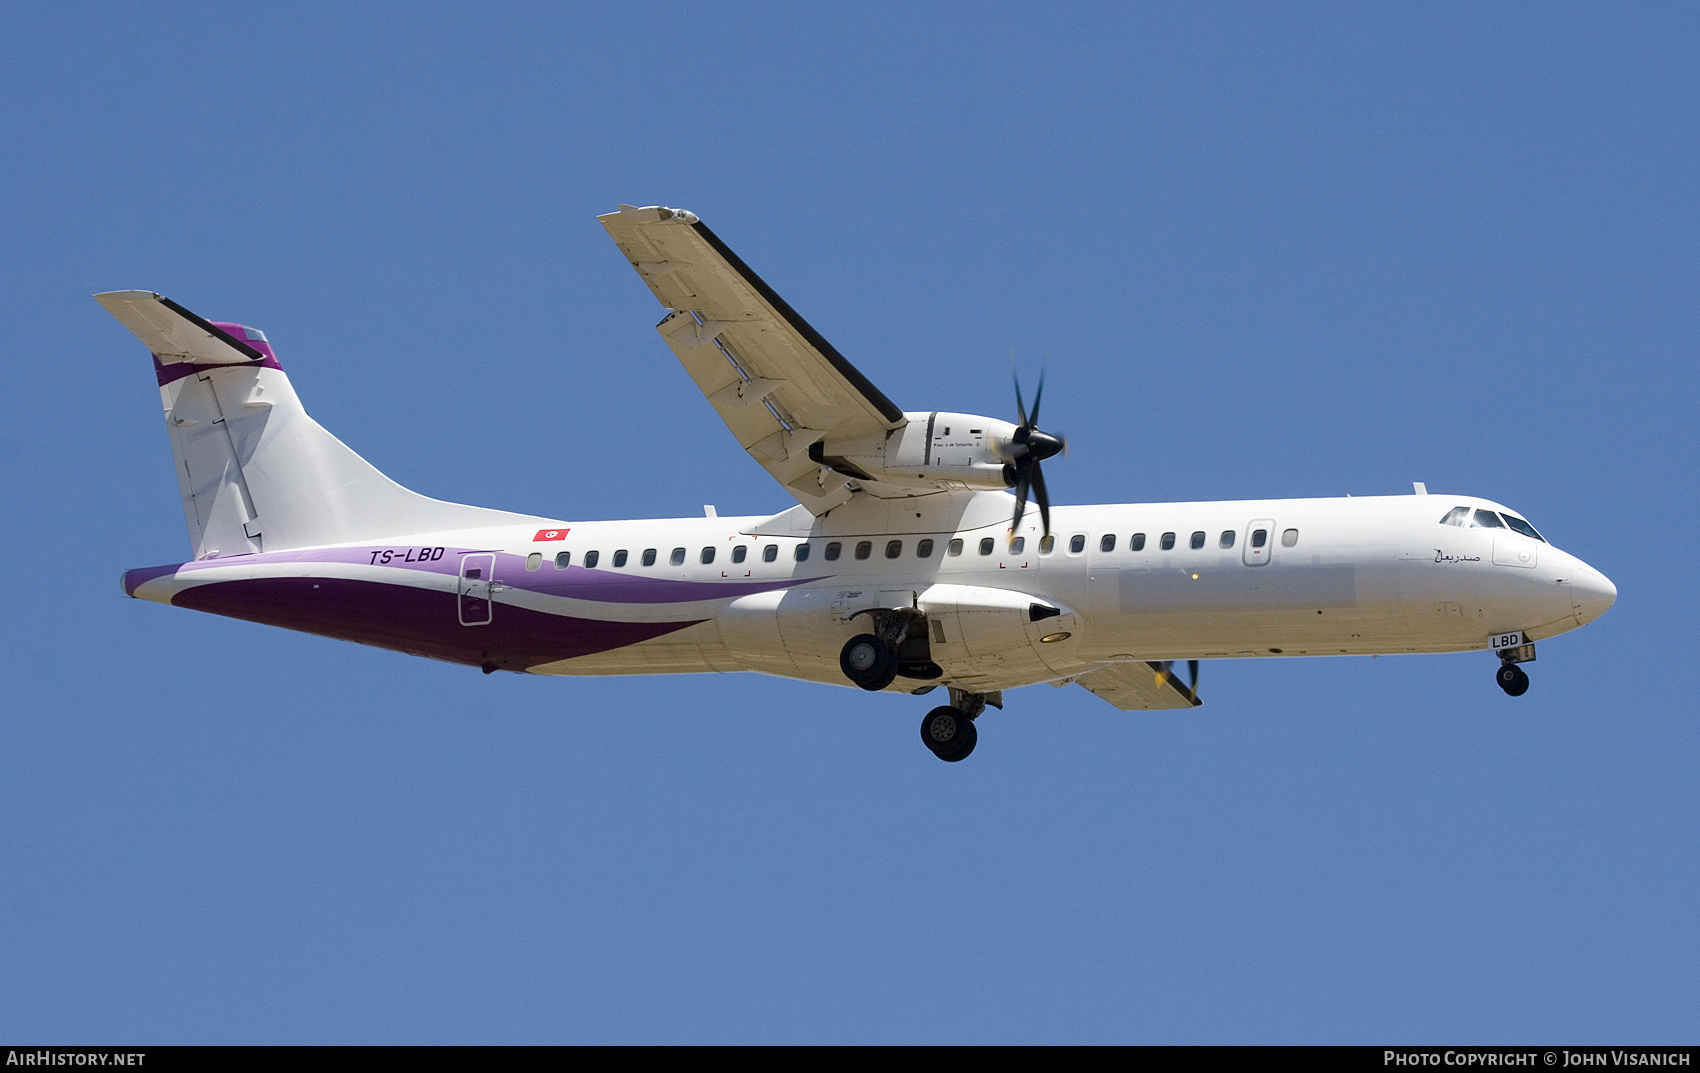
{"x": 173, "y": 333}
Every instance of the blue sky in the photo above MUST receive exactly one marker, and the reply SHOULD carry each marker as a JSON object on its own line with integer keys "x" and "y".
{"x": 1292, "y": 250}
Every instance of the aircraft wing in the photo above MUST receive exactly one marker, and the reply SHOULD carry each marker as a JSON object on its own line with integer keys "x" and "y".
{"x": 1137, "y": 687}
{"x": 779, "y": 386}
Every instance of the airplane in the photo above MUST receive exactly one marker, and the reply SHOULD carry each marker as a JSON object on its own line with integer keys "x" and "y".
{"x": 909, "y": 562}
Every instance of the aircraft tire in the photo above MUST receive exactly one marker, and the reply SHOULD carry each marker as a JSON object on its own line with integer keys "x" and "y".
{"x": 868, "y": 661}
{"x": 949, "y": 734}
{"x": 1512, "y": 679}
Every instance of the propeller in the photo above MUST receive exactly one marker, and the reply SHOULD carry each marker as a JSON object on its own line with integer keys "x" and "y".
{"x": 1165, "y": 673}
{"x": 1027, "y": 448}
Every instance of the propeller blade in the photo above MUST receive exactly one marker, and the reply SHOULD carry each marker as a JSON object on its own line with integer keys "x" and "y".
{"x": 1163, "y": 670}
{"x": 1023, "y": 473}
{"x": 1192, "y": 673}
{"x": 1042, "y": 497}
{"x": 1038, "y": 394}
{"x": 1020, "y": 410}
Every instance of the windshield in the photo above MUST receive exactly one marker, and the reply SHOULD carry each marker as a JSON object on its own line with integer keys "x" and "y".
{"x": 1522, "y": 526}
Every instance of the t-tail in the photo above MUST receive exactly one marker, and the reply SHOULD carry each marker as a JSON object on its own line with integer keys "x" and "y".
{"x": 255, "y": 472}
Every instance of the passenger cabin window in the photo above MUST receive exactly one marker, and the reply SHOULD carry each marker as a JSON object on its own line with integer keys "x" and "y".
{"x": 1048, "y": 544}
{"x": 1259, "y": 537}
{"x": 474, "y": 572}
{"x": 620, "y": 557}
{"x": 893, "y": 548}
{"x": 1459, "y": 516}
{"x": 986, "y": 545}
{"x": 1523, "y": 527}
{"x": 1018, "y": 545}
{"x": 1289, "y": 538}
{"x": 1227, "y": 539}
{"x": 1107, "y": 542}
{"x": 1168, "y": 541}
{"x": 1137, "y": 543}
{"x": 590, "y": 558}
{"x": 649, "y": 556}
{"x": 1077, "y": 543}
{"x": 534, "y": 561}
{"x": 678, "y": 557}
{"x": 1198, "y": 540}
{"x": 924, "y": 549}
{"x": 864, "y": 548}
{"x": 954, "y": 547}
{"x": 832, "y": 551}
{"x": 738, "y": 553}
{"x": 770, "y": 553}
{"x": 1486, "y": 519}
{"x": 802, "y": 553}
{"x": 707, "y": 555}
{"x": 563, "y": 560}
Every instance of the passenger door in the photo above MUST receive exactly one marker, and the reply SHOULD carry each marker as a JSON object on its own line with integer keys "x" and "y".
{"x": 474, "y": 588}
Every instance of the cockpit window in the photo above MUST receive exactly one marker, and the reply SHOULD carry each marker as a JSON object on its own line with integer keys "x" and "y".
{"x": 1522, "y": 527}
{"x": 255, "y": 334}
{"x": 1459, "y": 516}
{"x": 1487, "y": 519}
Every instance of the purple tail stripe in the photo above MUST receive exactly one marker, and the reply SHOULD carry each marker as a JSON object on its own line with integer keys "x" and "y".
{"x": 417, "y": 621}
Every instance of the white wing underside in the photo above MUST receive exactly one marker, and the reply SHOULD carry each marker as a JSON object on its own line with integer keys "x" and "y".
{"x": 776, "y": 383}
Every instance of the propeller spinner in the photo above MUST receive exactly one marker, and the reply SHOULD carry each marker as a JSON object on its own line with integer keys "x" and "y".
{"x": 1028, "y": 447}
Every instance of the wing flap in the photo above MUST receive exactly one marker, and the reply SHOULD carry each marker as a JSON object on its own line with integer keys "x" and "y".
{"x": 1137, "y": 687}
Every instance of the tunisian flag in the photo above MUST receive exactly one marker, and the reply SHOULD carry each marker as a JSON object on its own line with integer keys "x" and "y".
{"x": 550, "y": 534}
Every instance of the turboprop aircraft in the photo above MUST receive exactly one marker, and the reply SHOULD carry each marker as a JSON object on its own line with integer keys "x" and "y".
{"x": 910, "y": 561}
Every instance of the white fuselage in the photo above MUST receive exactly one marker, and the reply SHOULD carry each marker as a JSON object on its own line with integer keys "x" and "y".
{"x": 1340, "y": 576}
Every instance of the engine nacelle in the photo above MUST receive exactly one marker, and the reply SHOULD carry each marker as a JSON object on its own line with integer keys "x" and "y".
{"x": 934, "y": 452}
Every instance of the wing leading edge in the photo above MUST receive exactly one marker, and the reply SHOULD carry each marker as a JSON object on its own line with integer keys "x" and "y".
{"x": 779, "y": 386}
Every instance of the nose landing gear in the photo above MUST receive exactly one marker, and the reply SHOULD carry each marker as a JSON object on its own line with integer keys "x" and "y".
{"x": 1512, "y": 679}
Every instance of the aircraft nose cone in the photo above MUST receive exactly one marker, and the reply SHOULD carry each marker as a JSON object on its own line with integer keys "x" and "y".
{"x": 1593, "y": 593}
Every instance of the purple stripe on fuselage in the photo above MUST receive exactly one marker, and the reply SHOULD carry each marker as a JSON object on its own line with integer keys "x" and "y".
{"x": 575, "y": 582}
{"x": 422, "y": 622}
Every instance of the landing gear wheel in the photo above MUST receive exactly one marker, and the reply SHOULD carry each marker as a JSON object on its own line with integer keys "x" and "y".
{"x": 868, "y": 661}
{"x": 949, "y": 734}
{"x": 1512, "y": 679}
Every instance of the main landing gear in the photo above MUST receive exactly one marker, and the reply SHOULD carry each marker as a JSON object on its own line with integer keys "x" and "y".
{"x": 897, "y": 646}
{"x": 949, "y": 731}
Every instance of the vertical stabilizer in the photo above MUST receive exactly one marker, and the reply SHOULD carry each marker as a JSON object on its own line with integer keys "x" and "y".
{"x": 255, "y": 472}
